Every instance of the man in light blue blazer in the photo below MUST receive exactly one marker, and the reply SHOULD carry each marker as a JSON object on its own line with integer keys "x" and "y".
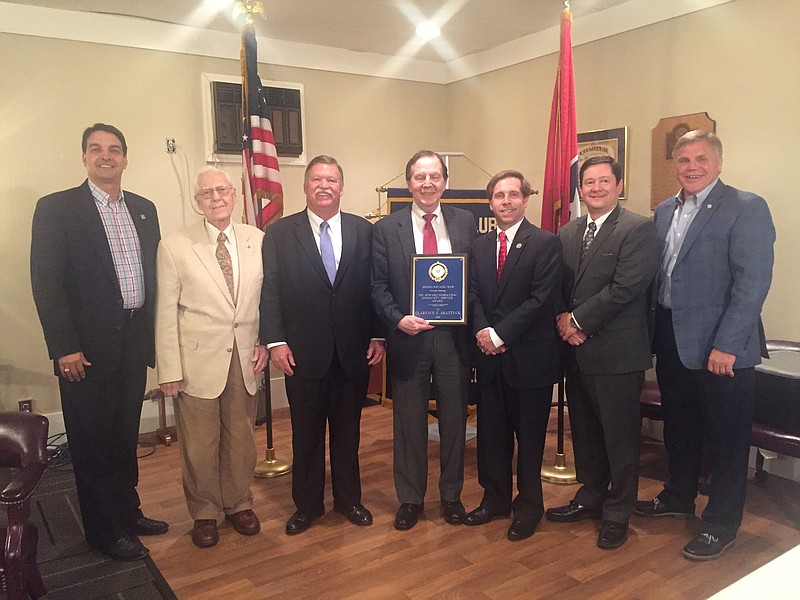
{"x": 716, "y": 269}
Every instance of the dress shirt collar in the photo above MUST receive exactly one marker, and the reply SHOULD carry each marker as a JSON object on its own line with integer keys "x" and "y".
{"x": 101, "y": 197}
{"x": 701, "y": 195}
{"x": 511, "y": 232}
{"x": 213, "y": 233}
{"x": 315, "y": 220}
{"x": 599, "y": 220}
{"x": 417, "y": 212}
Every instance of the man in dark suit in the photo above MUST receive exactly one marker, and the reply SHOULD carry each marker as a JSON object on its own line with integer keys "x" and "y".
{"x": 610, "y": 259}
{"x": 317, "y": 321}
{"x": 716, "y": 269}
{"x": 514, "y": 285}
{"x": 93, "y": 253}
{"x": 416, "y": 348}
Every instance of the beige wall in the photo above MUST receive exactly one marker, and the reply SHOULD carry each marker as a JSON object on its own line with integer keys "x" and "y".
{"x": 740, "y": 62}
{"x": 59, "y": 87}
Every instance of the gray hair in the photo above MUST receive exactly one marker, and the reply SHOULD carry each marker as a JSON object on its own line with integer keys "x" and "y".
{"x": 698, "y": 135}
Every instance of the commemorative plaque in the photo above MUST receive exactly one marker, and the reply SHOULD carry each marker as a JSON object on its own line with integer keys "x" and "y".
{"x": 439, "y": 288}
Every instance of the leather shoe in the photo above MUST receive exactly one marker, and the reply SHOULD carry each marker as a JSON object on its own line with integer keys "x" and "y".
{"x": 245, "y": 522}
{"x": 656, "y": 508}
{"x": 145, "y": 526}
{"x": 406, "y": 516}
{"x": 481, "y": 516}
{"x": 300, "y": 521}
{"x": 453, "y": 512}
{"x": 204, "y": 533}
{"x": 707, "y": 547}
{"x": 520, "y": 530}
{"x": 126, "y": 548}
{"x": 572, "y": 512}
{"x": 612, "y": 535}
{"x": 357, "y": 515}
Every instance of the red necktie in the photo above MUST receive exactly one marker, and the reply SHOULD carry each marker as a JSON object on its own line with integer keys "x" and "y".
{"x": 501, "y": 254}
{"x": 429, "y": 236}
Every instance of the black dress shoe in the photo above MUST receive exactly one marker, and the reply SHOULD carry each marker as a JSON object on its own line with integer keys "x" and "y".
{"x": 612, "y": 535}
{"x": 126, "y": 548}
{"x": 520, "y": 530}
{"x": 572, "y": 512}
{"x": 145, "y": 526}
{"x": 357, "y": 515}
{"x": 299, "y": 522}
{"x": 656, "y": 508}
{"x": 406, "y": 516}
{"x": 481, "y": 516}
{"x": 453, "y": 512}
{"x": 707, "y": 547}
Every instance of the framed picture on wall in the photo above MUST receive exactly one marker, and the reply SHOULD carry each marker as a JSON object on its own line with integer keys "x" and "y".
{"x": 611, "y": 142}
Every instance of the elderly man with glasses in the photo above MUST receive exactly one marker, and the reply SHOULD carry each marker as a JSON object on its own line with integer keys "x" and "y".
{"x": 208, "y": 355}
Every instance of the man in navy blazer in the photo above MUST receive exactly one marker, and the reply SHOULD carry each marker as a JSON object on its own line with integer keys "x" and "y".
{"x": 514, "y": 285}
{"x": 417, "y": 349}
{"x": 93, "y": 264}
{"x": 716, "y": 269}
{"x": 610, "y": 258}
{"x": 318, "y": 322}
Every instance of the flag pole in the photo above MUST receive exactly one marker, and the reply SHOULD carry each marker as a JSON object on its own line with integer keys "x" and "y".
{"x": 560, "y": 185}
{"x": 257, "y": 189}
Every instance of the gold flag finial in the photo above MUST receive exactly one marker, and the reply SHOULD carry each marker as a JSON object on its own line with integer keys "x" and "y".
{"x": 249, "y": 8}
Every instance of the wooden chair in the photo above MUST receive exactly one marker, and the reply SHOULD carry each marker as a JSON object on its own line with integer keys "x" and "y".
{"x": 23, "y": 441}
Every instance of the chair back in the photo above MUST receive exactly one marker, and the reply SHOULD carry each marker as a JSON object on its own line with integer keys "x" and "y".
{"x": 23, "y": 439}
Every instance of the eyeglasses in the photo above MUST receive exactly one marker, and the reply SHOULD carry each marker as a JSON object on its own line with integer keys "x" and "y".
{"x": 208, "y": 193}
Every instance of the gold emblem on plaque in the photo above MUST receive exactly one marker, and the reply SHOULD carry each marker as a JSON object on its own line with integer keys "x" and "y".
{"x": 437, "y": 271}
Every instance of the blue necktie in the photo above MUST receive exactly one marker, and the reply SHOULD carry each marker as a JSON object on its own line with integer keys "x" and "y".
{"x": 326, "y": 250}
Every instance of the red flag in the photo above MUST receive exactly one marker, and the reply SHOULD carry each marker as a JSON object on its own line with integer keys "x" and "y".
{"x": 263, "y": 192}
{"x": 561, "y": 167}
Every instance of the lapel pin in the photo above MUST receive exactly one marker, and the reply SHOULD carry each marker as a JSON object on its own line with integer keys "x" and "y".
{"x": 142, "y": 217}
{"x": 708, "y": 206}
{"x": 518, "y": 246}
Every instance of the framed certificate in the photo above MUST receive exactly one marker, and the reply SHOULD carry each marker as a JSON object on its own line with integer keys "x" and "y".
{"x": 439, "y": 288}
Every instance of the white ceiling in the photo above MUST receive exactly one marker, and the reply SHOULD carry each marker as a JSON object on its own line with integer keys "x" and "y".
{"x": 383, "y": 27}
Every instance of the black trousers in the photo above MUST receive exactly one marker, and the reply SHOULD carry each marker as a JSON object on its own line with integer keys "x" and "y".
{"x": 335, "y": 401}
{"x": 101, "y": 416}
{"x": 605, "y": 418}
{"x": 503, "y": 414}
{"x": 699, "y": 405}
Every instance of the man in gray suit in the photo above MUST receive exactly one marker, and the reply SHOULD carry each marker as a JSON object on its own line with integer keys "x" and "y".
{"x": 610, "y": 259}
{"x": 716, "y": 269}
{"x": 416, "y": 349}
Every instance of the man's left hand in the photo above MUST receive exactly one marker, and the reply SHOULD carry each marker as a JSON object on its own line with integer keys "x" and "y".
{"x": 375, "y": 352}
{"x": 721, "y": 363}
{"x": 259, "y": 359}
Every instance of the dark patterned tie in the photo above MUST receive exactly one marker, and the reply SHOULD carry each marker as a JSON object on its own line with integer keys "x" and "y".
{"x": 225, "y": 263}
{"x": 588, "y": 239}
{"x": 429, "y": 245}
{"x": 501, "y": 254}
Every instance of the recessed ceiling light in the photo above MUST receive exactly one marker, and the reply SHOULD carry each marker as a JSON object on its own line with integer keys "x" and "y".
{"x": 428, "y": 30}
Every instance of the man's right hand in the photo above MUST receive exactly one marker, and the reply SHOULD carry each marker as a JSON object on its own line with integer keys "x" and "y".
{"x": 171, "y": 388}
{"x": 411, "y": 325}
{"x": 282, "y": 357}
{"x": 72, "y": 366}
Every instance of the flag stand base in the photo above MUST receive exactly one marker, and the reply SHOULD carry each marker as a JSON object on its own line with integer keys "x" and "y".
{"x": 271, "y": 466}
{"x": 559, "y": 473}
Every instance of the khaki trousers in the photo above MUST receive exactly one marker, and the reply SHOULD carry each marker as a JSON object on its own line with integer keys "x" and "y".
{"x": 218, "y": 448}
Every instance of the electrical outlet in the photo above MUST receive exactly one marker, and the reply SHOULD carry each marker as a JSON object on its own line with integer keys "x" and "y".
{"x": 26, "y": 405}
{"x": 171, "y": 147}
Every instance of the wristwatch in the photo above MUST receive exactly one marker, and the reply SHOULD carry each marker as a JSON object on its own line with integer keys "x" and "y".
{"x": 573, "y": 322}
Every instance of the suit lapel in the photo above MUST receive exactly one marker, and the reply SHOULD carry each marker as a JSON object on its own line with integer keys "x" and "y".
{"x": 95, "y": 231}
{"x": 514, "y": 251}
{"x": 405, "y": 234}
{"x": 206, "y": 254}
{"x": 605, "y": 232}
{"x": 244, "y": 249}
{"x": 704, "y": 213}
{"x": 459, "y": 238}
{"x": 348, "y": 248}
{"x": 305, "y": 237}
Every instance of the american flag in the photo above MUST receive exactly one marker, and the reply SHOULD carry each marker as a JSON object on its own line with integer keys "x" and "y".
{"x": 560, "y": 196}
{"x": 263, "y": 192}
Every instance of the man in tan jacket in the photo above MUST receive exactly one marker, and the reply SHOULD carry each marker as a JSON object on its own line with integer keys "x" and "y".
{"x": 209, "y": 286}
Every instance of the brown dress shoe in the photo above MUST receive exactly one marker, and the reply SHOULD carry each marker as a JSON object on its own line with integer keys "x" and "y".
{"x": 204, "y": 533}
{"x": 245, "y": 522}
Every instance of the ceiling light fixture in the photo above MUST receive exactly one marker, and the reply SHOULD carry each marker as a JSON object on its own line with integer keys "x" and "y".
{"x": 428, "y": 30}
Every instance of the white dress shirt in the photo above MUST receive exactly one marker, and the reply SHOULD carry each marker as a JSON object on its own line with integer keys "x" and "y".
{"x": 439, "y": 228}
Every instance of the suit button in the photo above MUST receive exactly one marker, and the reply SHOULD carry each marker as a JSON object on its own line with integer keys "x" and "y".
{"x": 230, "y": 349}
{"x": 119, "y": 327}
{"x": 235, "y": 325}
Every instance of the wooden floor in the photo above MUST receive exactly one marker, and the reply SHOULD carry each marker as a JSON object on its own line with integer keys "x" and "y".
{"x": 335, "y": 559}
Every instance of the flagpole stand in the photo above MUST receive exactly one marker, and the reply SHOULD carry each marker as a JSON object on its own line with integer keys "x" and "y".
{"x": 270, "y": 465}
{"x": 560, "y": 472}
